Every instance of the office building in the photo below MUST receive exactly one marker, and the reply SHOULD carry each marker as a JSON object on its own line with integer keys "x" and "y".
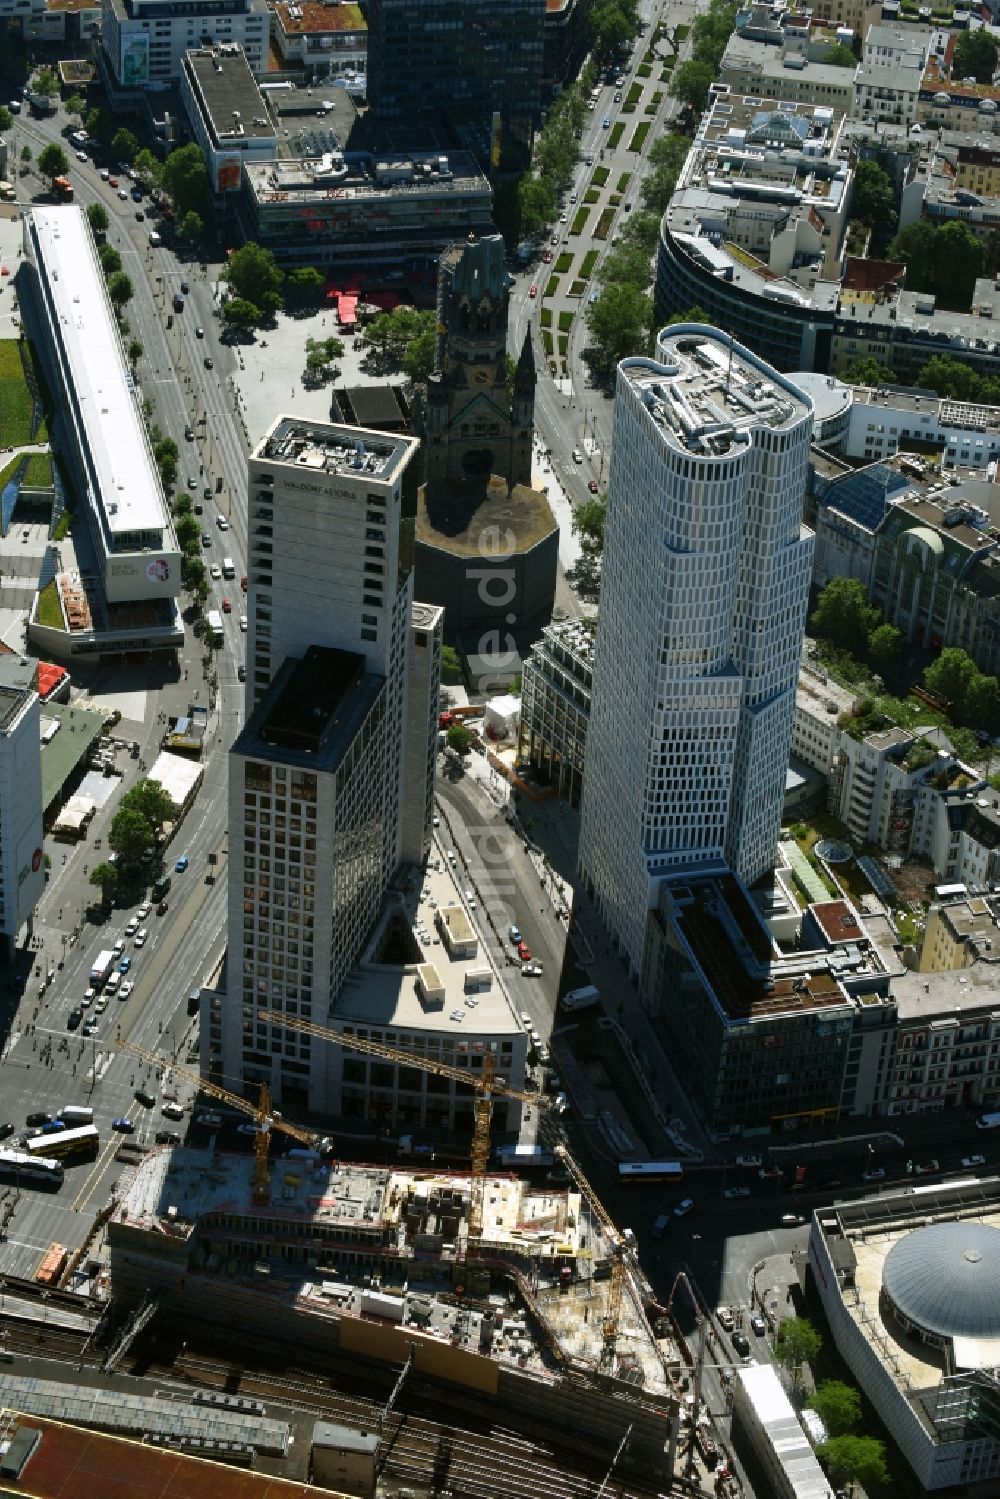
{"x": 703, "y": 599}
{"x": 226, "y": 113}
{"x": 143, "y": 42}
{"x": 22, "y": 866}
{"x": 556, "y": 687}
{"x": 423, "y": 692}
{"x": 324, "y": 41}
{"x": 123, "y": 596}
{"x": 461, "y": 60}
{"x": 374, "y": 214}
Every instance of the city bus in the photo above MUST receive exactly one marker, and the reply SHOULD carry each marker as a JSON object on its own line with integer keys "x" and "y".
{"x": 23, "y": 1168}
{"x": 64, "y": 1143}
{"x": 650, "y": 1171}
{"x": 213, "y": 627}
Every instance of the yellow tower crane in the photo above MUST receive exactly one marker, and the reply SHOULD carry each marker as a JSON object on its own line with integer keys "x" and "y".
{"x": 487, "y": 1086}
{"x": 261, "y": 1113}
{"x": 616, "y": 1286}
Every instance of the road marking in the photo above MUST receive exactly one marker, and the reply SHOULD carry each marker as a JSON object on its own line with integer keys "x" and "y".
{"x": 104, "y": 1159}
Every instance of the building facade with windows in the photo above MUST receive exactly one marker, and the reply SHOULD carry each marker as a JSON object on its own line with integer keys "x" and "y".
{"x": 703, "y": 600}
{"x": 556, "y": 687}
{"x": 143, "y": 42}
{"x": 226, "y": 112}
{"x": 22, "y": 862}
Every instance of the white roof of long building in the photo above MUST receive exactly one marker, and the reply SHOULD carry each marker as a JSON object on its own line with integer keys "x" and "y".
{"x": 128, "y": 485}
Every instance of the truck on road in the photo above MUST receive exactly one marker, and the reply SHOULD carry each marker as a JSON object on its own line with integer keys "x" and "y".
{"x": 101, "y": 970}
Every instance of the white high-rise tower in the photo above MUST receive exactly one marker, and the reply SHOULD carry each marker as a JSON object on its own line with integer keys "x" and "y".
{"x": 703, "y": 602}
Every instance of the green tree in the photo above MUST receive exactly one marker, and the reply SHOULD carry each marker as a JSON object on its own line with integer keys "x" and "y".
{"x": 124, "y": 145}
{"x": 868, "y": 371}
{"x": 619, "y": 323}
{"x": 610, "y": 27}
{"x": 96, "y": 122}
{"x": 188, "y": 532}
{"x": 305, "y": 283}
{"x": 184, "y": 176}
{"x": 537, "y": 203}
{"x": 110, "y": 259}
{"x": 837, "y": 1404}
{"x": 982, "y": 707}
{"x": 796, "y": 1342}
{"x": 134, "y": 351}
{"x": 6, "y": 118}
{"x": 193, "y": 572}
{"x": 588, "y": 524}
{"x": 119, "y": 290}
{"x": 850, "y": 1459}
{"x": 952, "y": 677}
{"x": 873, "y": 195}
{"x": 192, "y": 226}
{"x": 45, "y": 82}
{"x": 75, "y": 105}
{"x": 950, "y": 378}
{"x": 97, "y": 218}
{"x": 642, "y": 232}
{"x": 252, "y": 273}
{"x": 26, "y": 154}
{"x": 451, "y": 665}
{"x": 52, "y": 161}
{"x": 840, "y": 57}
{"x": 418, "y": 358}
{"x": 182, "y": 504}
{"x": 459, "y": 738}
{"x": 975, "y": 56}
{"x": 239, "y": 313}
{"x": 666, "y": 157}
{"x": 945, "y": 260}
{"x": 844, "y": 616}
{"x": 628, "y": 265}
{"x": 147, "y": 166}
{"x": 130, "y": 834}
{"x": 149, "y": 799}
{"x": 691, "y": 82}
{"x": 711, "y": 31}
{"x": 105, "y": 878}
{"x": 884, "y": 645}
{"x": 693, "y": 315}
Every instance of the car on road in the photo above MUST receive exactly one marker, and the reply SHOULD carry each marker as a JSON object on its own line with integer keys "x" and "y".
{"x": 789, "y": 1220}
{"x": 215, "y": 572}
{"x": 144, "y": 910}
{"x": 192, "y": 483}
{"x": 123, "y": 1126}
{"x": 243, "y": 623}
{"x": 532, "y": 970}
{"x": 733, "y": 1192}
{"x": 241, "y": 673}
{"x": 172, "y": 1110}
{"x": 139, "y": 215}
{"x": 757, "y": 1325}
{"x": 111, "y": 181}
{"x": 769, "y": 1174}
{"x": 683, "y": 1208}
{"x": 514, "y": 934}
{"x": 749, "y": 1160}
{"x": 182, "y": 864}
{"x": 137, "y": 195}
{"x": 125, "y": 965}
{"x": 124, "y": 990}
{"x": 88, "y": 997}
{"x": 206, "y": 541}
{"x": 547, "y": 256}
{"x": 131, "y": 928}
{"x": 452, "y": 856}
{"x": 563, "y": 217}
{"x": 140, "y": 936}
{"x": 524, "y": 952}
{"x": 725, "y": 1319}
{"x": 244, "y": 582}
{"x": 162, "y": 908}
{"x": 577, "y": 455}
{"x": 554, "y": 241}
{"x": 209, "y": 362}
{"x": 874, "y": 1174}
{"x": 741, "y": 1343}
{"x": 199, "y": 332}
{"x": 143, "y": 1096}
{"x": 123, "y": 195}
{"x": 222, "y": 523}
{"x": 74, "y": 1018}
{"x": 119, "y": 947}
{"x": 101, "y": 1005}
{"x": 606, "y": 122}
{"x": 6, "y": 1130}
{"x": 89, "y": 1026}
{"x": 185, "y": 288}
{"x": 81, "y": 156}
{"x": 189, "y": 432}
{"x": 246, "y": 1128}
{"x": 926, "y": 1168}
{"x": 533, "y": 292}
{"x": 973, "y": 1160}
{"x": 593, "y": 486}
{"x": 167, "y": 1137}
{"x": 470, "y": 899}
{"x": 227, "y": 606}
{"x": 618, "y": 96}
{"x": 105, "y": 175}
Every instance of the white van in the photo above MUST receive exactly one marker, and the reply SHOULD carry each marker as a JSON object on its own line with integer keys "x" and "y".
{"x": 114, "y": 980}
{"x": 228, "y": 567}
{"x": 76, "y": 1114}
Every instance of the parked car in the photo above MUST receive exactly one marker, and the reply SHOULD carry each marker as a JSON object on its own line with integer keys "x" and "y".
{"x": 926, "y": 1168}
{"x": 162, "y": 908}
{"x": 683, "y": 1208}
{"x": 167, "y": 1137}
{"x": 875, "y": 1174}
{"x": 749, "y": 1160}
{"x": 140, "y": 937}
{"x": 144, "y": 910}
{"x": 789, "y": 1220}
{"x": 725, "y": 1319}
{"x": 531, "y": 970}
{"x": 973, "y": 1160}
{"x": 757, "y": 1325}
{"x": 124, "y": 1126}
{"x": 731, "y": 1192}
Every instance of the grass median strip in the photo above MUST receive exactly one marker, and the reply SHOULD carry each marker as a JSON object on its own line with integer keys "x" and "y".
{"x": 617, "y": 131}
{"x": 587, "y": 267}
{"x": 563, "y": 263}
{"x": 623, "y": 182}
{"x": 551, "y": 287}
{"x": 565, "y": 322}
{"x": 604, "y": 224}
{"x": 639, "y": 138}
{"x": 601, "y": 175}
{"x": 579, "y": 221}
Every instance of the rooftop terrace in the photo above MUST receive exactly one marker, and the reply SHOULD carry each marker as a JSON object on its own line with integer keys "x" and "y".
{"x": 336, "y": 448}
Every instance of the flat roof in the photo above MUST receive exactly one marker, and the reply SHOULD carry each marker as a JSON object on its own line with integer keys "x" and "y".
{"x": 337, "y": 448}
{"x": 128, "y": 485}
{"x": 363, "y": 177}
{"x": 231, "y": 103}
{"x": 383, "y": 994}
{"x": 790, "y": 1444}
{"x": 708, "y": 395}
{"x": 62, "y": 752}
{"x": 312, "y": 710}
{"x": 311, "y": 17}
